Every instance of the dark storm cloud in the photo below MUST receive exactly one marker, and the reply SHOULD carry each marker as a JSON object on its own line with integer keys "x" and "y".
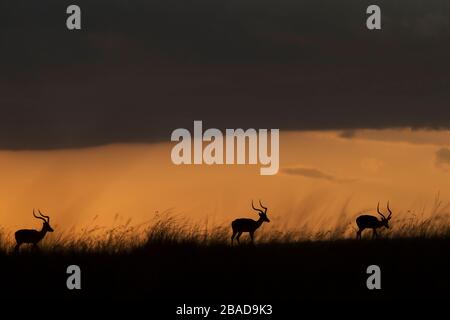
{"x": 309, "y": 173}
{"x": 347, "y": 134}
{"x": 314, "y": 174}
{"x": 139, "y": 69}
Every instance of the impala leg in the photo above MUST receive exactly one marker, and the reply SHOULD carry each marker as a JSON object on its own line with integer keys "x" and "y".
{"x": 374, "y": 234}
{"x": 251, "y": 237}
{"x": 16, "y": 248}
{"x": 358, "y": 234}
{"x": 232, "y": 236}
{"x": 238, "y": 236}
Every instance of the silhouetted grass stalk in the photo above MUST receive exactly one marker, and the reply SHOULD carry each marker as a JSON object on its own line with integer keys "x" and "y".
{"x": 168, "y": 230}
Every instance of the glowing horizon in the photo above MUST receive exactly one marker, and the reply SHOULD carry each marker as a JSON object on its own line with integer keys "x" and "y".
{"x": 320, "y": 172}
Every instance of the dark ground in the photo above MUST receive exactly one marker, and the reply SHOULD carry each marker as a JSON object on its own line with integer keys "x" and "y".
{"x": 411, "y": 269}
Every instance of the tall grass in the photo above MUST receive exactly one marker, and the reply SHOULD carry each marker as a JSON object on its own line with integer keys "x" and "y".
{"x": 170, "y": 230}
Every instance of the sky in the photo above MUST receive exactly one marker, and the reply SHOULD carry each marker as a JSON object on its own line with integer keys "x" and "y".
{"x": 136, "y": 71}
{"x": 322, "y": 173}
{"x": 86, "y": 116}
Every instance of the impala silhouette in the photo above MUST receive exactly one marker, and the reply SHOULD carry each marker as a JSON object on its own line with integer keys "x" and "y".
{"x": 33, "y": 236}
{"x": 371, "y": 222}
{"x": 249, "y": 225}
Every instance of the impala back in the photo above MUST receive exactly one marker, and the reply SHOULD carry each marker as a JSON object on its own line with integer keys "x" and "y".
{"x": 27, "y": 236}
{"x": 367, "y": 222}
{"x": 244, "y": 225}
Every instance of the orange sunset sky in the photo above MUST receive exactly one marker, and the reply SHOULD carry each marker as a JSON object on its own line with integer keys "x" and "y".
{"x": 320, "y": 171}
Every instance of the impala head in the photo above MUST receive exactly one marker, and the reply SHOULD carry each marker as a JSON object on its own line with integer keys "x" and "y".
{"x": 262, "y": 214}
{"x": 46, "y": 220}
{"x": 384, "y": 220}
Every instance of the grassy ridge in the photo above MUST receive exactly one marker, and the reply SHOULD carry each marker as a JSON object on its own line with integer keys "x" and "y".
{"x": 173, "y": 259}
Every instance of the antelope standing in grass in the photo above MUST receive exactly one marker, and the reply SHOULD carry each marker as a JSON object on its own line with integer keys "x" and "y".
{"x": 33, "y": 236}
{"x": 371, "y": 222}
{"x": 249, "y": 225}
